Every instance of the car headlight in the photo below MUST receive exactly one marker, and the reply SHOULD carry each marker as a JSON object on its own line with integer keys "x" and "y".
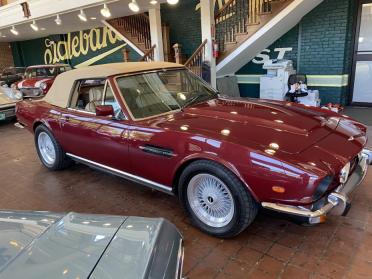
{"x": 18, "y": 95}
{"x": 43, "y": 85}
{"x": 344, "y": 173}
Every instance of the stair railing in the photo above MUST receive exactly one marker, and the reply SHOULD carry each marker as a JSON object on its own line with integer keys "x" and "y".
{"x": 235, "y": 17}
{"x": 149, "y": 55}
{"x": 137, "y": 26}
{"x": 195, "y": 62}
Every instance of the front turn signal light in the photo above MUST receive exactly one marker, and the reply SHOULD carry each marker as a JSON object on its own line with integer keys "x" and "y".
{"x": 278, "y": 189}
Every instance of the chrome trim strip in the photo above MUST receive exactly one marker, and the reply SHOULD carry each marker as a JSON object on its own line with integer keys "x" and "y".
{"x": 82, "y": 111}
{"x": 126, "y": 175}
{"x": 180, "y": 259}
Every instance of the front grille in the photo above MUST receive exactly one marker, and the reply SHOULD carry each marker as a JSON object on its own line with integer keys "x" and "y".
{"x": 31, "y": 92}
{"x": 8, "y": 112}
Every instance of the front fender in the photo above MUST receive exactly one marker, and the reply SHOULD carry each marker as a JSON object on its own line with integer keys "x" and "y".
{"x": 215, "y": 158}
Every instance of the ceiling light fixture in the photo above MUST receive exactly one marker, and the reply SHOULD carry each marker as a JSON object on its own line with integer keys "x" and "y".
{"x": 105, "y": 11}
{"x": 14, "y": 31}
{"x": 172, "y": 2}
{"x": 134, "y": 6}
{"x": 153, "y": 2}
{"x": 82, "y": 16}
{"x": 34, "y": 26}
{"x": 58, "y": 20}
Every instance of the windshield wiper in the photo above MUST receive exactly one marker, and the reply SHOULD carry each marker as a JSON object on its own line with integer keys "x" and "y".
{"x": 192, "y": 100}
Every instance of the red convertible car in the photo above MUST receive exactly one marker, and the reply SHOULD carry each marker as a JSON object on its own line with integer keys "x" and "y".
{"x": 38, "y": 79}
{"x": 160, "y": 125}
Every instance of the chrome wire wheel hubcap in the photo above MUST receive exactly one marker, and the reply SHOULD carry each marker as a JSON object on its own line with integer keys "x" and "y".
{"x": 46, "y": 148}
{"x": 211, "y": 200}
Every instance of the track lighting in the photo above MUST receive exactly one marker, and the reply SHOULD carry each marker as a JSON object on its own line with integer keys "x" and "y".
{"x": 134, "y": 6}
{"x": 172, "y": 2}
{"x": 34, "y": 26}
{"x": 58, "y": 20}
{"x": 105, "y": 11}
{"x": 14, "y": 31}
{"x": 82, "y": 16}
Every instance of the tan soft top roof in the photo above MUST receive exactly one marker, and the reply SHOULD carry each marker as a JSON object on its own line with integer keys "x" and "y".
{"x": 59, "y": 93}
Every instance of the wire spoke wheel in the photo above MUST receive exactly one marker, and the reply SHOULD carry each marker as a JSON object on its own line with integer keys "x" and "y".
{"x": 46, "y": 148}
{"x": 210, "y": 200}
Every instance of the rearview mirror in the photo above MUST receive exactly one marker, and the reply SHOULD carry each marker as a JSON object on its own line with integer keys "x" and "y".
{"x": 106, "y": 110}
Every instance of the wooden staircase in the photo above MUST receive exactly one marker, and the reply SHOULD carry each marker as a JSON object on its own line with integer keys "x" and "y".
{"x": 238, "y": 20}
{"x": 136, "y": 29}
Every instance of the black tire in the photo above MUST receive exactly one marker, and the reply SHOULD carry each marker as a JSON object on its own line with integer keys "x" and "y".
{"x": 61, "y": 160}
{"x": 245, "y": 207}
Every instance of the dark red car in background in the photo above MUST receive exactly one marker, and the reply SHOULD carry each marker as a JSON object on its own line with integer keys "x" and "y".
{"x": 160, "y": 125}
{"x": 38, "y": 79}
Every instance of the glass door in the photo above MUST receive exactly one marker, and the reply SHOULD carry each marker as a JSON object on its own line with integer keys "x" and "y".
{"x": 362, "y": 93}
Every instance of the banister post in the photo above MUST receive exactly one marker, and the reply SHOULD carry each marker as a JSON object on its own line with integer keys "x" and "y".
{"x": 177, "y": 53}
{"x": 207, "y": 25}
{"x": 126, "y": 54}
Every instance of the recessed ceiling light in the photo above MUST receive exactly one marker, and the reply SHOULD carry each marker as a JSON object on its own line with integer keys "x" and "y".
{"x": 172, "y": 2}
{"x": 58, "y": 20}
{"x": 105, "y": 11}
{"x": 93, "y": 18}
{"x": 153, "y": 2}
{"x": 134, "y": 6}
{"x": 14, "y": 31}
{"x": 82, "y": 16}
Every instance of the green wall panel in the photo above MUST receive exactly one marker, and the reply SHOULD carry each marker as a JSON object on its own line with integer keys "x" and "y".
{"x": 88, "y": 47}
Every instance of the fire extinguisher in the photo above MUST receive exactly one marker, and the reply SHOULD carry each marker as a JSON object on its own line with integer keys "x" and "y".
{"x": 216, "y": 51}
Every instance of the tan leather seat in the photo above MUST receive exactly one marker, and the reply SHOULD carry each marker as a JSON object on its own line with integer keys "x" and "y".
{"x": 95, "y": 99}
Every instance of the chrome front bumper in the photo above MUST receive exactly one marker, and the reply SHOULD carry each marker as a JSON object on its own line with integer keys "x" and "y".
{"x": 338, "y": 202}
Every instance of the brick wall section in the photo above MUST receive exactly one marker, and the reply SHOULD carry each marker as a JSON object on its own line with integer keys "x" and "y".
{"x": 184, "y": 23}
{"x": 324, "y": 38}
{"x": 6, "y": 57}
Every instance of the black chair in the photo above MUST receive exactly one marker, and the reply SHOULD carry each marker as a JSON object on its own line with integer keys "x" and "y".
{"x": 293, "y": 79}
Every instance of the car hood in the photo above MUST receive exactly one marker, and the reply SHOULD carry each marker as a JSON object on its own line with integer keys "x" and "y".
{"x": 73, "y": 245}
{"x": 34, "y": 82}
{"x": 254, "y": 123}
{"x": 5, "y": 99}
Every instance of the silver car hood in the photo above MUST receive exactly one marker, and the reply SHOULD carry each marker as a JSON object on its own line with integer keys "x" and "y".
{"x": 73, "y": 245}
{"x": 6, "y": 98}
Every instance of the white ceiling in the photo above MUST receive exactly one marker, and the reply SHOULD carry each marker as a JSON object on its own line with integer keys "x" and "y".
{"x": 71, "y": 22}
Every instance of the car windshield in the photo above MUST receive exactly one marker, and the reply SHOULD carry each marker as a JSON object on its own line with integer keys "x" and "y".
{"x": 43, "y": 72}
{"x": 159, "y": 92}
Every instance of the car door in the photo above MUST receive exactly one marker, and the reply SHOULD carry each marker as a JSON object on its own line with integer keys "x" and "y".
{"x": 152, "y": 149}
{"x": 91, "y": 138}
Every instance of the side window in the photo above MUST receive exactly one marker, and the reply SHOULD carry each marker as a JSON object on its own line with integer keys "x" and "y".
{"x": 87, "y": 95}
{"x": 110, "y": 99}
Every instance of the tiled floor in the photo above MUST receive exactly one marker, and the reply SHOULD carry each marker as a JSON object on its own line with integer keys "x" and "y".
{"x": 270, "y": 248}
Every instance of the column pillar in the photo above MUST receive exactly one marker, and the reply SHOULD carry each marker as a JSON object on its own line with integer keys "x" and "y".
{"x": 207, "y": 23}
{"x": 156, "y": 32}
